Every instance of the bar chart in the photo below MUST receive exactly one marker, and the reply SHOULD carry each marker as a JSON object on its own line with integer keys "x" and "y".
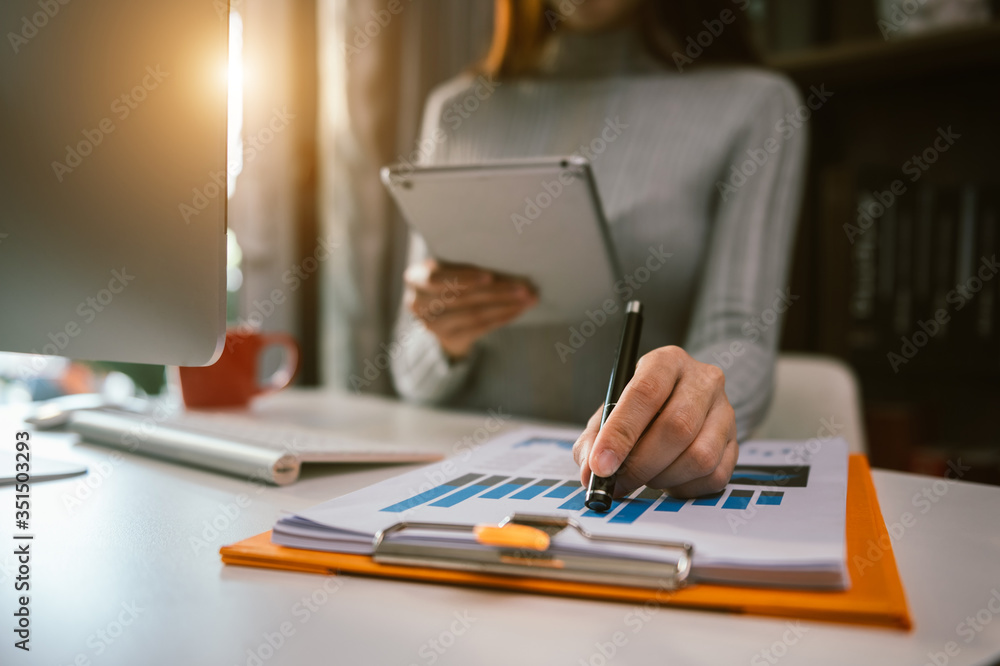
{"x": 782, "y": 514}
{"x": 568, "y": 495}
{"x": 543, "y": 441}
{"x": 787, "y": 476}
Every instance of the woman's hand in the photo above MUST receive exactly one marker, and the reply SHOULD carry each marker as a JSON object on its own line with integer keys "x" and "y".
{"x": 674, "y": 423}
{"x": 460, "y": 304}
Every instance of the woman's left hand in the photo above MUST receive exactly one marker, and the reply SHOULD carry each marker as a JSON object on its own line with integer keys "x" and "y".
{"x": 673, "y": 426}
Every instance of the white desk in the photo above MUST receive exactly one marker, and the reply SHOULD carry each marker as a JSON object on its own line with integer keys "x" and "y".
{"x": 133, "y": 543}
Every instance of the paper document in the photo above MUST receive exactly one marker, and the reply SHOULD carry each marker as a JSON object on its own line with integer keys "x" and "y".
{"x": 780, "y": 521}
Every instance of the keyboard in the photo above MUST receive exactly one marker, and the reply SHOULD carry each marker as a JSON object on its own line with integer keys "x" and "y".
{"x": 236, "y": 443}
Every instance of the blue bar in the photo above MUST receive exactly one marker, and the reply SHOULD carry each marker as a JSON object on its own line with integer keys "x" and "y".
{"x": 590, "y": 513}
{"x": 531, "y": 492}
{"x": 506, "y": 489}
{"x": 541, "y": 441}
{"x": 575, "y": 503}
{"x": 787, "y": 476}
{"x": 564, "y": 490}
{"x": 636, "y": 506}
{"x": 428, "y": 495}
{"x": 770, "y": 497}
{"x": 671, "y": 504}
{"x": 710, "y": 500}
{"x": 468, "y": 491}
{"x": 738, "y": 499}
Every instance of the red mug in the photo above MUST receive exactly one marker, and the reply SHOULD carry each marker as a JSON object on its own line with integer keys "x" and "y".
{"x": 232, "y": 380}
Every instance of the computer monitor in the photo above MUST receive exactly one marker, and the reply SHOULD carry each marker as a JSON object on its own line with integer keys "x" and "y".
{"x": 113, "y": 179}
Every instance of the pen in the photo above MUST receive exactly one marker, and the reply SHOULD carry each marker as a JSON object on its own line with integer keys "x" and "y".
{"x": 601, "y": 488}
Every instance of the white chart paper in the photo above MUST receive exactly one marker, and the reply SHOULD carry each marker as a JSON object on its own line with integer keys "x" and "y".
{"x": 781, "y": 520}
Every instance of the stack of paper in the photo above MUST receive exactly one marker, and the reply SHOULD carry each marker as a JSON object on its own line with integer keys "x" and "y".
{"x": 780, "y": 521}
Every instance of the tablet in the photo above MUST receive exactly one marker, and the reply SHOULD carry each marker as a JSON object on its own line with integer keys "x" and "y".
{"x": 538, "y": 219}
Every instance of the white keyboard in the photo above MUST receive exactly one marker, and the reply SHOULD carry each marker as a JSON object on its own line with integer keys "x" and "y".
{"x": 239, "y": 444}
{"x": 288, "y": 438}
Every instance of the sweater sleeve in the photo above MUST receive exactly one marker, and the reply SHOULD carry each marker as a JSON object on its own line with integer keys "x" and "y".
{"x": 421, "y": 371}
{"x": 738, "y": 312}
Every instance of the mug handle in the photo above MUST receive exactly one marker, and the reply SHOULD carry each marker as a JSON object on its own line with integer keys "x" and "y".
{"x": 284, "y": 375}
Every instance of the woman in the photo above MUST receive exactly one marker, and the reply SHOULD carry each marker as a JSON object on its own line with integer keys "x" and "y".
{"x": 676, "y": 183}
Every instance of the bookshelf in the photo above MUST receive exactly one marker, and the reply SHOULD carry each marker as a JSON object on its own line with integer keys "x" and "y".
{"x": 892, "y": 101}
{"x": 874, "y": 60}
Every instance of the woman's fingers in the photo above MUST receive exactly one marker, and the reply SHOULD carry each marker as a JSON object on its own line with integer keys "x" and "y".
{"x": 429, "y": 304}
{"x": 473, "y": 320}
{"x": 714, "y": 481}
{"x": 456, "y": 332}
{"x": 640, "y": 402}
{"x": 704, "y": 455}
{"x": 673, "y": 432}
{"x": 459, "y": 304}
{"x": 581, "y": 448}
{"x": 431, "y": 275}
{"x": 673, "y": 428}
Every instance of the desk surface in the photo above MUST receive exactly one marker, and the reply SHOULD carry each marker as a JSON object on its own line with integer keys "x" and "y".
{"x": 125, "y": 570}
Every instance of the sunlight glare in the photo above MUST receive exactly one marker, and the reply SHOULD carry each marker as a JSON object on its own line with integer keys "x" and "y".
{"x": 236, "y": 74}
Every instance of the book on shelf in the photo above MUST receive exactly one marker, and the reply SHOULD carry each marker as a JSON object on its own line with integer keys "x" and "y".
{"x": 922, "y": 275}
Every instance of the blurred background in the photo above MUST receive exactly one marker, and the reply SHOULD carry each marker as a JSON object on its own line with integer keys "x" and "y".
{"x": 899, "y": 214}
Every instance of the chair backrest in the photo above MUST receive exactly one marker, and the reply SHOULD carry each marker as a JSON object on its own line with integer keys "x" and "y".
{"x": 814, "y": 396}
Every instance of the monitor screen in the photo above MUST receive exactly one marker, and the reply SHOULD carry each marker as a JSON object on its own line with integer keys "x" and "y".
{"x": 113, "y": 179}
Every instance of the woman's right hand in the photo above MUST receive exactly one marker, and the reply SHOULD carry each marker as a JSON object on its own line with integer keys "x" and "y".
{"x": 460, "y": 304}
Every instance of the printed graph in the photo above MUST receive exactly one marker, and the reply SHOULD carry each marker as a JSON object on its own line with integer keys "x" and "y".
{"x": 539, "y": 441}
{"x": 787, "y": 476}
{"x": 569, "y": 495}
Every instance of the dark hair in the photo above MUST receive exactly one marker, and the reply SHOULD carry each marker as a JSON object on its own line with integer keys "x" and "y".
{"x": 521, "y": 28}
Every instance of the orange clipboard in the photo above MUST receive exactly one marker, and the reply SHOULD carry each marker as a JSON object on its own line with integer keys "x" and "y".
{"x": 875, "y": 596}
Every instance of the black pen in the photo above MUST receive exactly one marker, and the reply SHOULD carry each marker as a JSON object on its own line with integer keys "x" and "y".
{"x": 601, "y": 488}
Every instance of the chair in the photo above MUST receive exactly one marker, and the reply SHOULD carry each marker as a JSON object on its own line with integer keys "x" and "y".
{"x": 811, "y": 391}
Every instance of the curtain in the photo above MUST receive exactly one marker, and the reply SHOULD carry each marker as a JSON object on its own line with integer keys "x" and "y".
{"x": 271, "y": 205}
{"x": 378, "y": 61}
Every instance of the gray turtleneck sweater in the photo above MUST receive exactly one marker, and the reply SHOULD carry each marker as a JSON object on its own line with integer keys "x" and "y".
{"x": 700, "y": 178}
